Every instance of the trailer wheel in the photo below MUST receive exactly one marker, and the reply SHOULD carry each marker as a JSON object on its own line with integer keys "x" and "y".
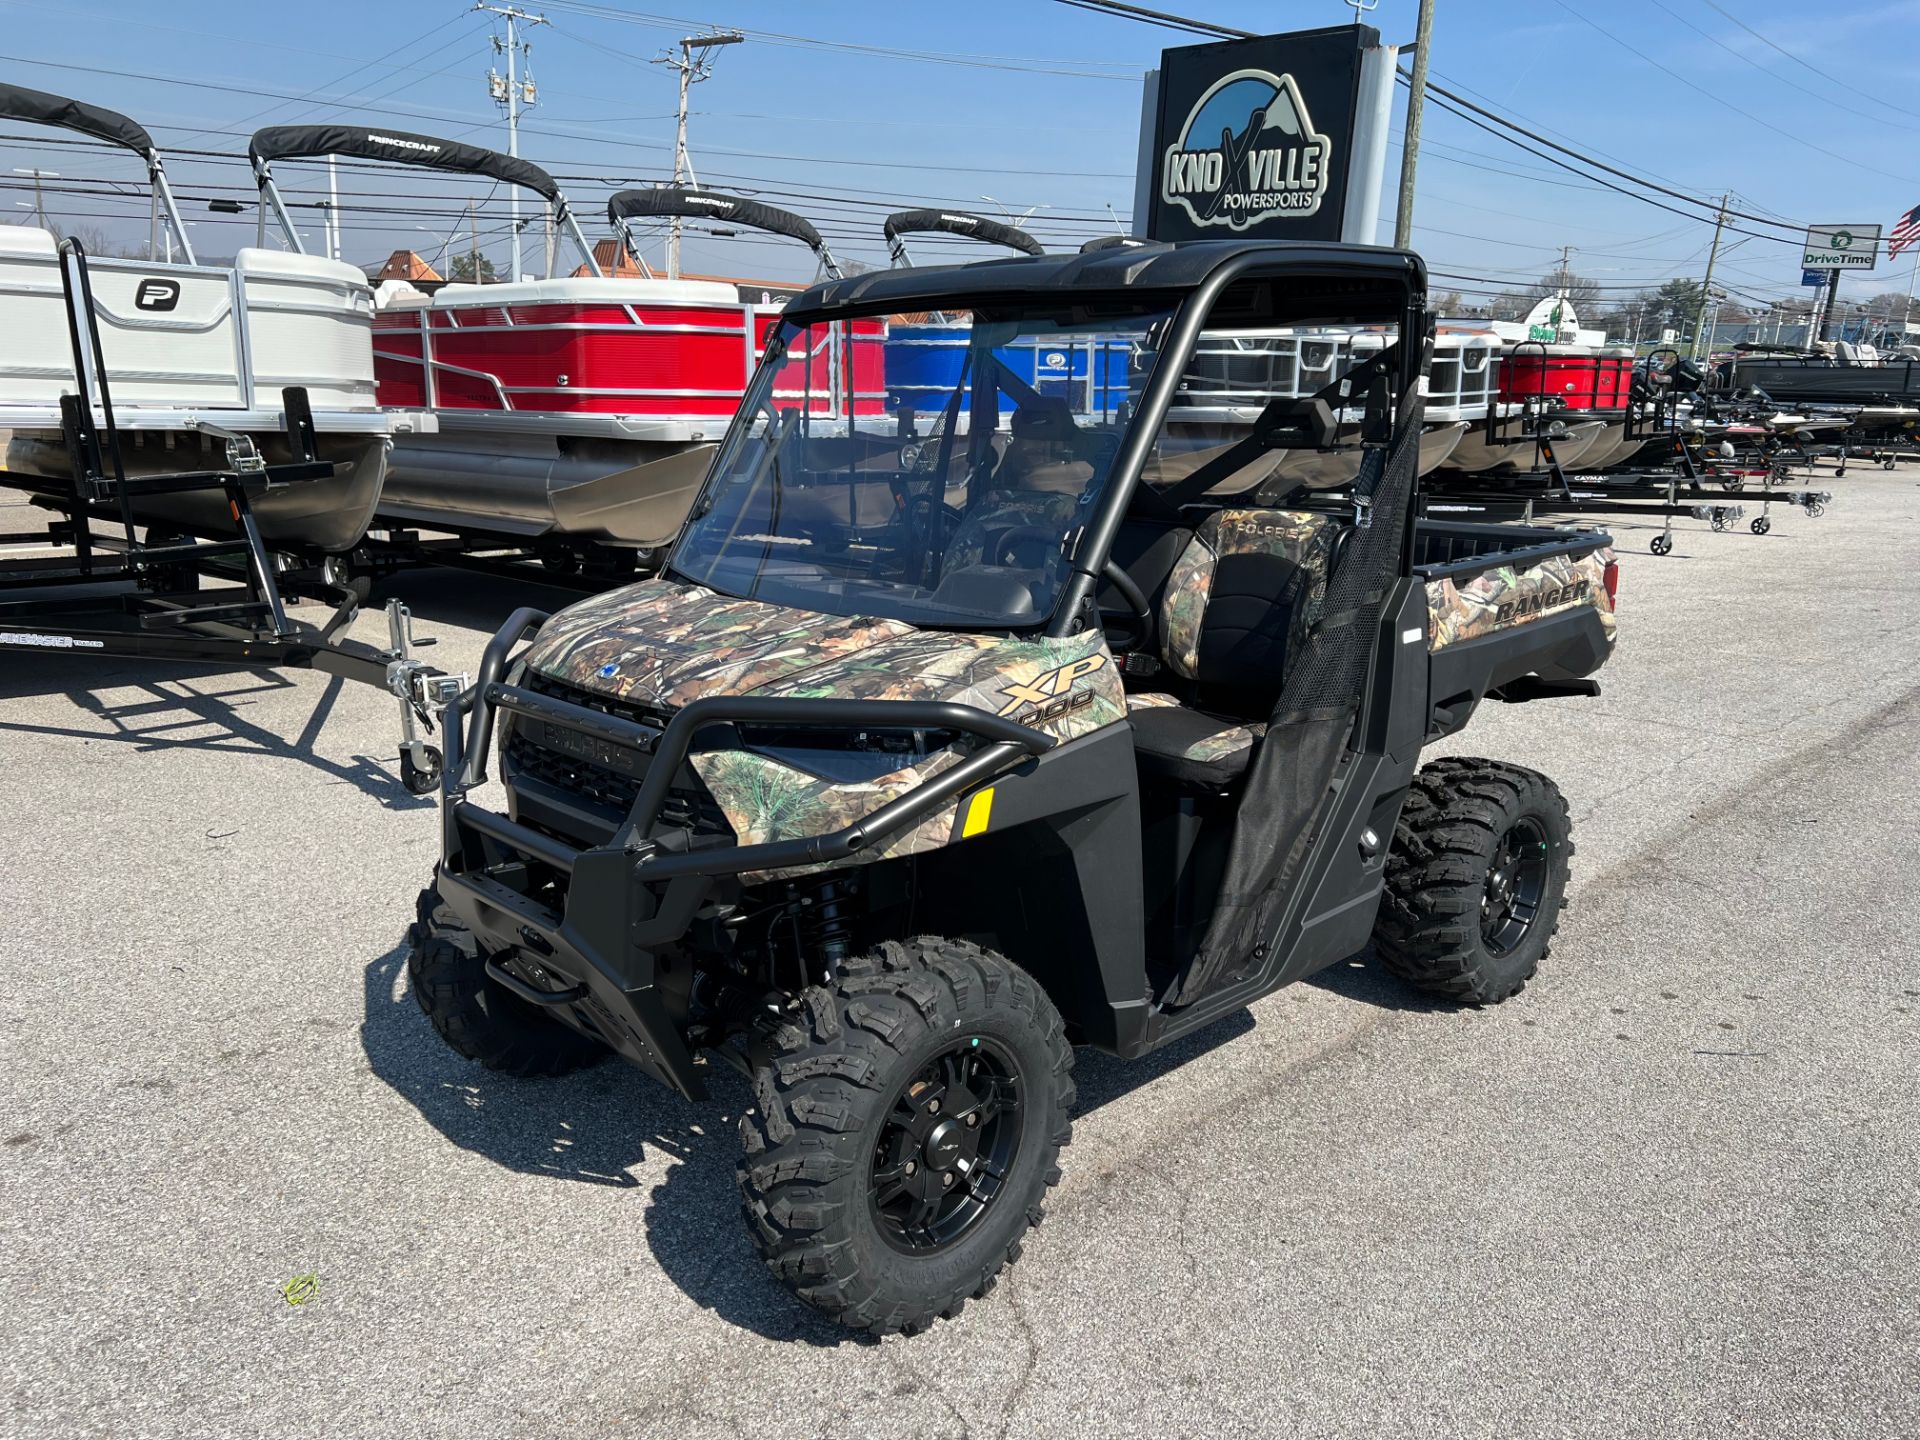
{"x": 1476, "y": 880}
{"x": 421, "y": 779}
{"x": 1761, "y": 526}
{"x": 907, "y": 1123}
{"x": 1661, "y": 544}
{"x": 474, "y": 1013}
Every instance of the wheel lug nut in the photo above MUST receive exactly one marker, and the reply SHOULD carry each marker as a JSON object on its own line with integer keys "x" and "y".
{"x": 946, "y": 1181}
{"x": 933, "y": 1107}
{"x": 911, "y": 1168}
{"x": 972, "y": 1121}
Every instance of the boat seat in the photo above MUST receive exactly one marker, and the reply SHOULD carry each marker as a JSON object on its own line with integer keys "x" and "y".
{"x": 1233, "y": 620}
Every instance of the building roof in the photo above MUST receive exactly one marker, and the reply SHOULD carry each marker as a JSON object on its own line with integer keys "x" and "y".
{"x": 405, "y": 265}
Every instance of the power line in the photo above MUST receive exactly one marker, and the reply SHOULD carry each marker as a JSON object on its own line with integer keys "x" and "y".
{"x": 1848, "y": 85}
{"x": 1778, "y": 79}
{"x": 1020, "y": 64}
{"x": 1801, "y": 140}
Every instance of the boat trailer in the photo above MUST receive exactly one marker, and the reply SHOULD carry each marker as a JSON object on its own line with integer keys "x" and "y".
{"x": 143, "y": 595}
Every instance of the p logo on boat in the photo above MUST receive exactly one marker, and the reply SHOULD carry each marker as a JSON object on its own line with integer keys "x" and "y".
{"x": 1248, "y": 150}
{"x": 157, "y": 295}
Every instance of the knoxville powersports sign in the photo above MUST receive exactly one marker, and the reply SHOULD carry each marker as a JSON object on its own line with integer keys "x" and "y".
{"x": 1253, "y": 137}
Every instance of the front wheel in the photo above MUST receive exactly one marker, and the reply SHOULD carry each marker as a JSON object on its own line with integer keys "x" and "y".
{"x": 1475, "y": 881}
{"x": 908, "y": 1120}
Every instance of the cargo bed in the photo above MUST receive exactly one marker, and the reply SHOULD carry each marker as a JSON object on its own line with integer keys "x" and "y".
{"x": 1516, "y": 612}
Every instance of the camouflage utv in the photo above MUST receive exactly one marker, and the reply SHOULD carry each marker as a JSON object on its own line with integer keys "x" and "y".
{"x": 1104, "y": 730}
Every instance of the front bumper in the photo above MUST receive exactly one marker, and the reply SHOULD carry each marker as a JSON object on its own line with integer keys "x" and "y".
{"x": 586, "y": 926}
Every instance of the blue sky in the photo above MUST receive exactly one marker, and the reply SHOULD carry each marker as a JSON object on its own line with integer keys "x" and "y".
{"x": 1041, "y": 112}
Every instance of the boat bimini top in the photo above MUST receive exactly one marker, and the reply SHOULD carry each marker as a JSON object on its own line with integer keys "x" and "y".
{"x": 302, "y": 142}
{"x": 952, "y": 222}
{"x": 669, "y": 201}
{"x": 37, "y": 107}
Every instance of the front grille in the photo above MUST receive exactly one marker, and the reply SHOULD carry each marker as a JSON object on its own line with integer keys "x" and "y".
{"x": 608, "y": 791}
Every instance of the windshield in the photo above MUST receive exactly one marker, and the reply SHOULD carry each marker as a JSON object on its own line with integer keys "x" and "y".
{"x": 938, "y": 471}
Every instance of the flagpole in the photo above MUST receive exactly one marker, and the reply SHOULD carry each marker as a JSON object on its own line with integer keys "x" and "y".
{"x": 1906, "y": 312}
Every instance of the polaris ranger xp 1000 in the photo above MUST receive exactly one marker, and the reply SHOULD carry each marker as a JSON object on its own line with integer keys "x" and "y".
{"x": 954, "y": 735}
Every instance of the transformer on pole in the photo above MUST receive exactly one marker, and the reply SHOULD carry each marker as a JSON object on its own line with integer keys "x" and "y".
{"x": 695, "y": 64}
{"x": 516, "y": 94}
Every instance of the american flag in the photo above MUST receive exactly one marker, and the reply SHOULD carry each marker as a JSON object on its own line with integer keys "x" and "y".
{"x": 1906, "y": 230}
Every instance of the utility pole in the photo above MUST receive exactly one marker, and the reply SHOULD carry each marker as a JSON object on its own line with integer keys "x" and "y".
{"x": 39, "y": 200}
{"x": 514, "y": 93}
{"x": 473, "y": 242}
{"x": 333, "y": 207}
{"x": 1706, "y": 285}
{"x": 1416, "y": 108}
{"x": 695, "y": 64}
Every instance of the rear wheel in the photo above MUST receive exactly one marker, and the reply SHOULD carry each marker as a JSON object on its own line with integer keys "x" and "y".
{"x": 1476, "y": 880}
{"x": 907, "y": 1123}
{"x": 474, "y": 1013}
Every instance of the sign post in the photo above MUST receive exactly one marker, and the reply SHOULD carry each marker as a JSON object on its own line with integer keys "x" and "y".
{"x": 1830, "y": 249}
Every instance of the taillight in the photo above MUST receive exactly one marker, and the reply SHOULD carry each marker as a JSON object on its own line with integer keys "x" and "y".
{"x": 1610, "y": 578}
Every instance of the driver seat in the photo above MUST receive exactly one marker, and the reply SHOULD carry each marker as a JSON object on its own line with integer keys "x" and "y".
{"x": 1037, "y": 486}
{"x": 1235, "y": 617}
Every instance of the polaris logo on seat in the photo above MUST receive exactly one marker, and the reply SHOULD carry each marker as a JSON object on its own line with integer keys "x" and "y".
{"x": 1248, "y": 151}
{"x": 156, "y": 295}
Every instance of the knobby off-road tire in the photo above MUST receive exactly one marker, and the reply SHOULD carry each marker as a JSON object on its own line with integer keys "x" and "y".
{"x": 477, "y": 1016}
{"x": 1476, "y": 880}
{"x": 842, "y": 1136}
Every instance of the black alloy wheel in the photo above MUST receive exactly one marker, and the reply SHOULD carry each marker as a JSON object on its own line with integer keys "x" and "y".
{"x": 945, "y": 1149}
{"x": 1516, "y": 885}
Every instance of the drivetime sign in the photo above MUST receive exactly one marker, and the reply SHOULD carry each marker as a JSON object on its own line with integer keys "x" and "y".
{"x": 1841, "y": 247}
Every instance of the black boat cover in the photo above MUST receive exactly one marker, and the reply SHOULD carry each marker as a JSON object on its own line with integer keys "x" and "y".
{"x": 39, "y": 108}
{"x": 281, "y": 142}
{"x": 958, "y": 222}
{"x": 711, "y": 205}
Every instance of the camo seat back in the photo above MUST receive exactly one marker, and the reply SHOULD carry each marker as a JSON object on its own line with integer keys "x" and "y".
{"x": 1240, "y": 600}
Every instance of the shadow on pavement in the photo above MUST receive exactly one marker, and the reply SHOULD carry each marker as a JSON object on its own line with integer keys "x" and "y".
{"x": 1362, "y": 977}
{"x": 197, "y": 708}
{"x": 595, "y": 1127}
{"x": 467, "y": 599}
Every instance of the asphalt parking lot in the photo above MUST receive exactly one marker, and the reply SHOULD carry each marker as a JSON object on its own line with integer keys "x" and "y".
{"x": 1668, "y": 1191}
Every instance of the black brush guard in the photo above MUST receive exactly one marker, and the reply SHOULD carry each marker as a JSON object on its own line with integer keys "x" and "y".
{"x": 593, "y": 961}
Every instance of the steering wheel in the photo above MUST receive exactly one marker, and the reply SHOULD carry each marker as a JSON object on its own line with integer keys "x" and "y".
{"x": 917, "y": 511}
{"x": 1140, "y": 614}
{"x": 1006, "y": 543}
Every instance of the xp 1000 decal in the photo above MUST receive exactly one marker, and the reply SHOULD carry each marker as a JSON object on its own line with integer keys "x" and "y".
{"x": 1247, "y": 151}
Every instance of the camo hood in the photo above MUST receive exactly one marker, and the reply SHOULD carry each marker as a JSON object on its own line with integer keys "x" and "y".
{"x": 665, "y": 644}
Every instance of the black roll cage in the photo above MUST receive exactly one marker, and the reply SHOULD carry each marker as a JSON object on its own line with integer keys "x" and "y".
{"x": 1192, "y": 309}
